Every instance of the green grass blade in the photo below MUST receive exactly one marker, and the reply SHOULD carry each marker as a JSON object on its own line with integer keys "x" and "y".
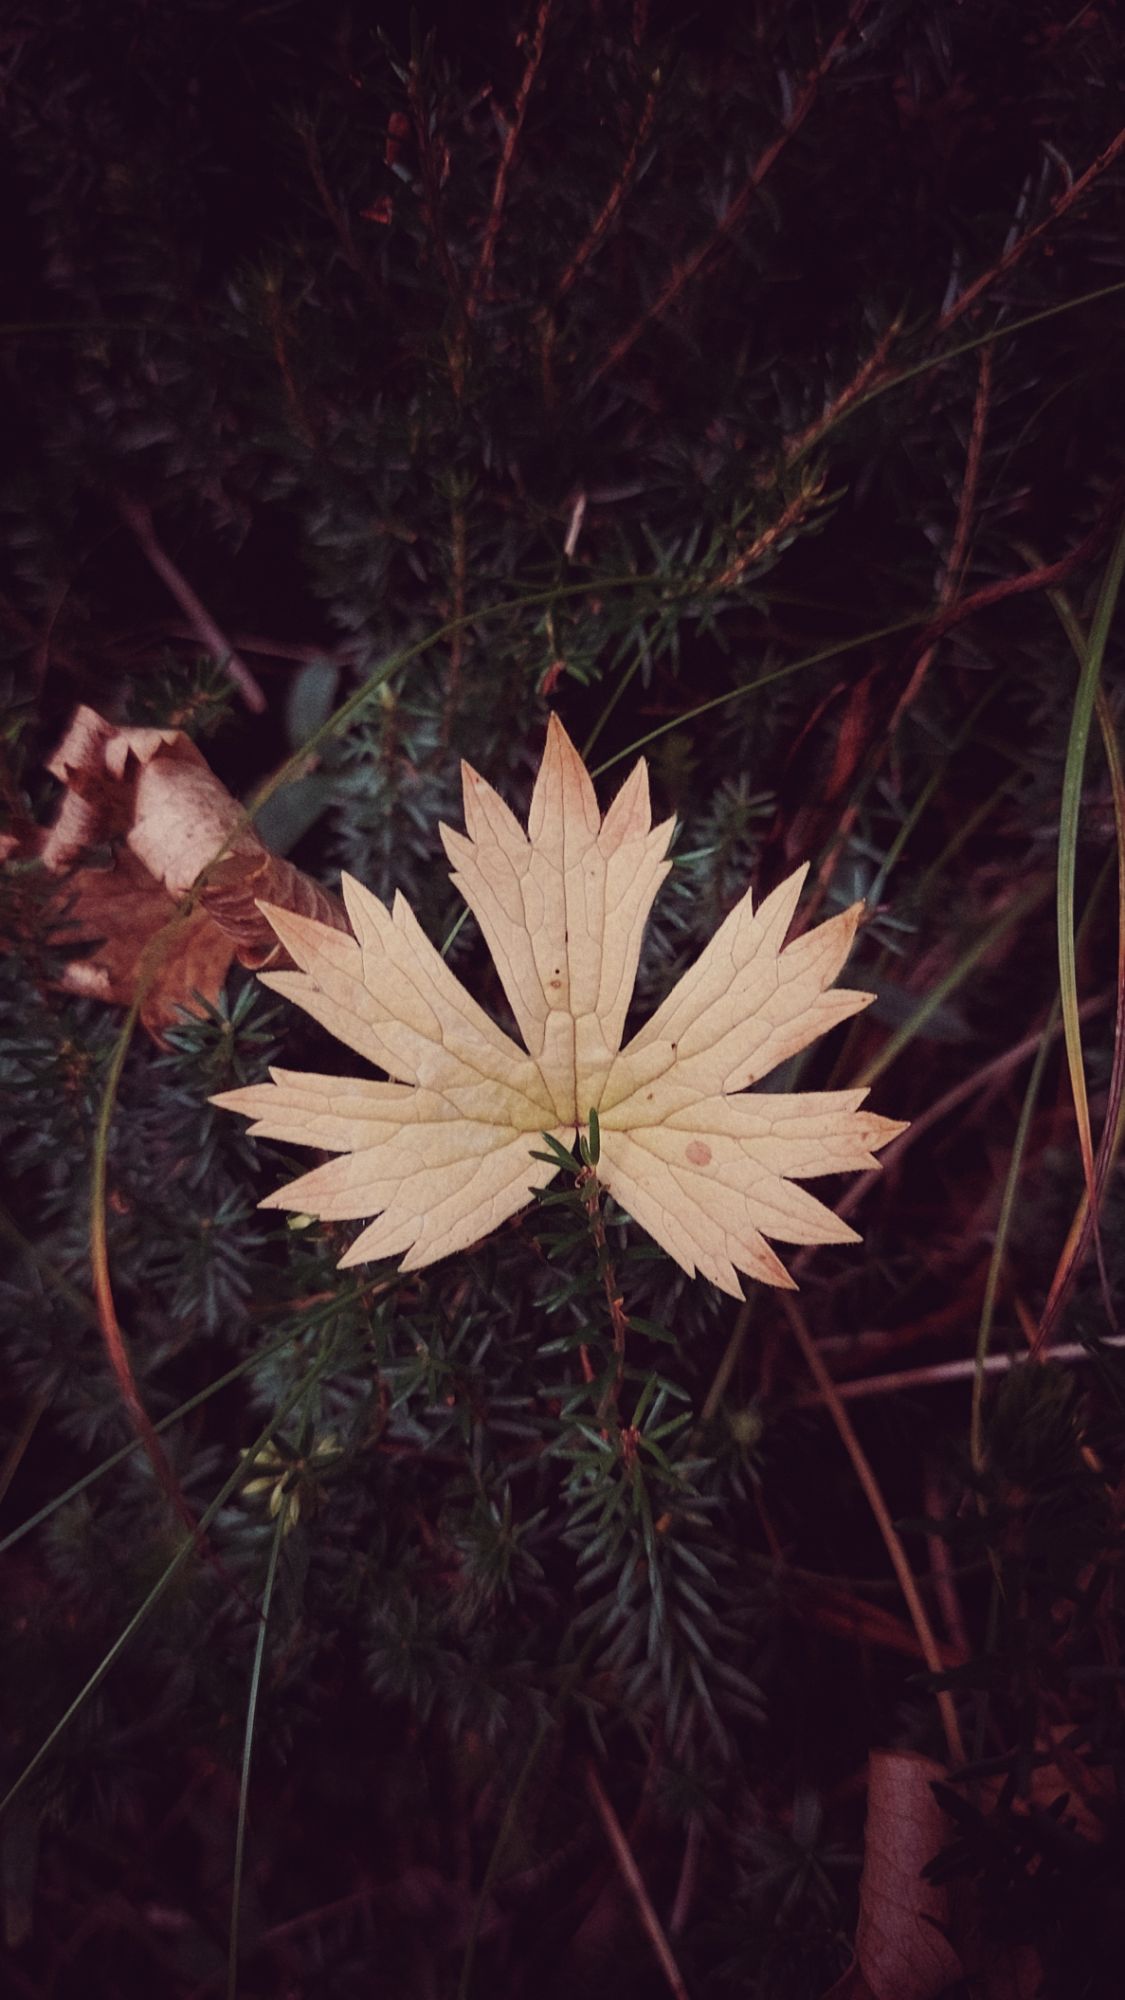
{"x": 1070, "y": 807}
{"x": 167, "y": 1577}
{"x": 1003, "y": 1227}
{"x": 248, "y": 1748}
{"x": 125, "y": 1451}
{"x": 955, "y": 977}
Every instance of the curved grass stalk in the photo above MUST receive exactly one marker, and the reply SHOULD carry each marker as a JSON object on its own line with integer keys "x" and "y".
{"x": 864, "y": 1472}
{"x": 248, "y": 1748}
{"x": 835, "y": 651}
{"x": 1113, "y": 1130}
{"x": 954, "y": 978}
{"x": 1003, "y": 1226}
{"x": 116, "y": 1458}
{"x": 163, "y": 1583}
{"x": 1092, "y": 654}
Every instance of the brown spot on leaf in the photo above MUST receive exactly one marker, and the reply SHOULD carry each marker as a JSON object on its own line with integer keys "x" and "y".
{"x": 698, "y": 1153}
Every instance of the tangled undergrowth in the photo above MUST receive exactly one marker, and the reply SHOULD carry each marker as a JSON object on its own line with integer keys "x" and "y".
{"x": 742, "y": 391}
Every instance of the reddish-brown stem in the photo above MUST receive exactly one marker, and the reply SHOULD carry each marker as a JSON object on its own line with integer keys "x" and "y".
{"x": 590, "y": 242}
{"x": 610, "y": 206}
{"x": 989, "y": 1073}
{"x": 634, "y": 1882}
{"x": 483, "y": 273}
{"x": 618, "y": 1318}
{"x": 866, "y": 374}
{"x": 336, "y": 215}
{"x": 940, "y": 1374}
{"x": 431, "y": 210}
{"x": 1047, "y": 577}
{"x": 947, "y": 596}
{"x": 792, "y": 513}
{"x": 139, "y": 520}
{"x": 830, "y": 1394}
{"x": 302, "y": 422}
{"x": 1019, "y": 249}
{"x": 962, "y": 533}
{"x": 683, "y": 273}
{"x": 457, "y": 643}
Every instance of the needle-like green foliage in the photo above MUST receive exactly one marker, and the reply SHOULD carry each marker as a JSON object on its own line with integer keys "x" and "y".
{"x": 738, "y": 386}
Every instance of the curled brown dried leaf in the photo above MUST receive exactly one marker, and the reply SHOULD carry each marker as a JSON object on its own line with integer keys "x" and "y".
{"x": 173, "y": 829}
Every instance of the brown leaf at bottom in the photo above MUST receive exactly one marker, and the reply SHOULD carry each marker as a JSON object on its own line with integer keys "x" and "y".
{"x": 901, "y": 1947}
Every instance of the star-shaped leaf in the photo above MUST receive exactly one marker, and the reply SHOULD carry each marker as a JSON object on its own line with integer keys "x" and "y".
{"x": 444, "y": 1151}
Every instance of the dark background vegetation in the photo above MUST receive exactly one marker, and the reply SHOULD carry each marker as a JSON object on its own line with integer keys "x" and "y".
{"x": 707, "y": 347}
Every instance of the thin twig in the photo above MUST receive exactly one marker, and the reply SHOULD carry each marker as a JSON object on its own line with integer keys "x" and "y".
{"x": 631, "y": 1875}
{"x": 116, "y": 1349}
{"x": 989, "y": 1073}
{"x": 1022, "y": 245}
{"x": 867, "y": 373}
{"x": 275, "y": 316}
{"x": 482, "y": 274}
{"x": 457, "y": 643}
{"x": 937, "y": 1373}
{"x": 139, "y": 520}
{"x": 790, "y": 516}
{"x": 335, "y": 652}
{"x": 830, "y": 1394}
{"x": 337, "y": 216}
{"x": 689, "y": 1876}
{"x": 962, "y": 534}
{"x": 431, "y": 210}
{"x": 595, "y": 235}
{"x": 947, "y": 596}
{"x": 683, "y": 273}
{"x": 611, "y": 204}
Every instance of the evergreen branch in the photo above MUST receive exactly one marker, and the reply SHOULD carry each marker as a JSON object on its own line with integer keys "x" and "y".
{"x": 962, "y": 533}
{"x": 684, "y": 273}
{"x": 864, "y": 383}
{"x": 482, "y": 275}
{"x": 431, "y": 212}
{"x": 1019, "y": 249}
{"x": 947, "y": 597}
{"x": 163, "y": 1583}
{"x": 878, "y": 383}
{"x": 608, "y": 211}
{"x": 336, "y": 215}
{"x": 789, "y": 519}
{"x": 591, "y": 1190}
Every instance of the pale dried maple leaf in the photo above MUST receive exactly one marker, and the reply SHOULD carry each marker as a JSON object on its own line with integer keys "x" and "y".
{"x": 443, "y": 1153}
